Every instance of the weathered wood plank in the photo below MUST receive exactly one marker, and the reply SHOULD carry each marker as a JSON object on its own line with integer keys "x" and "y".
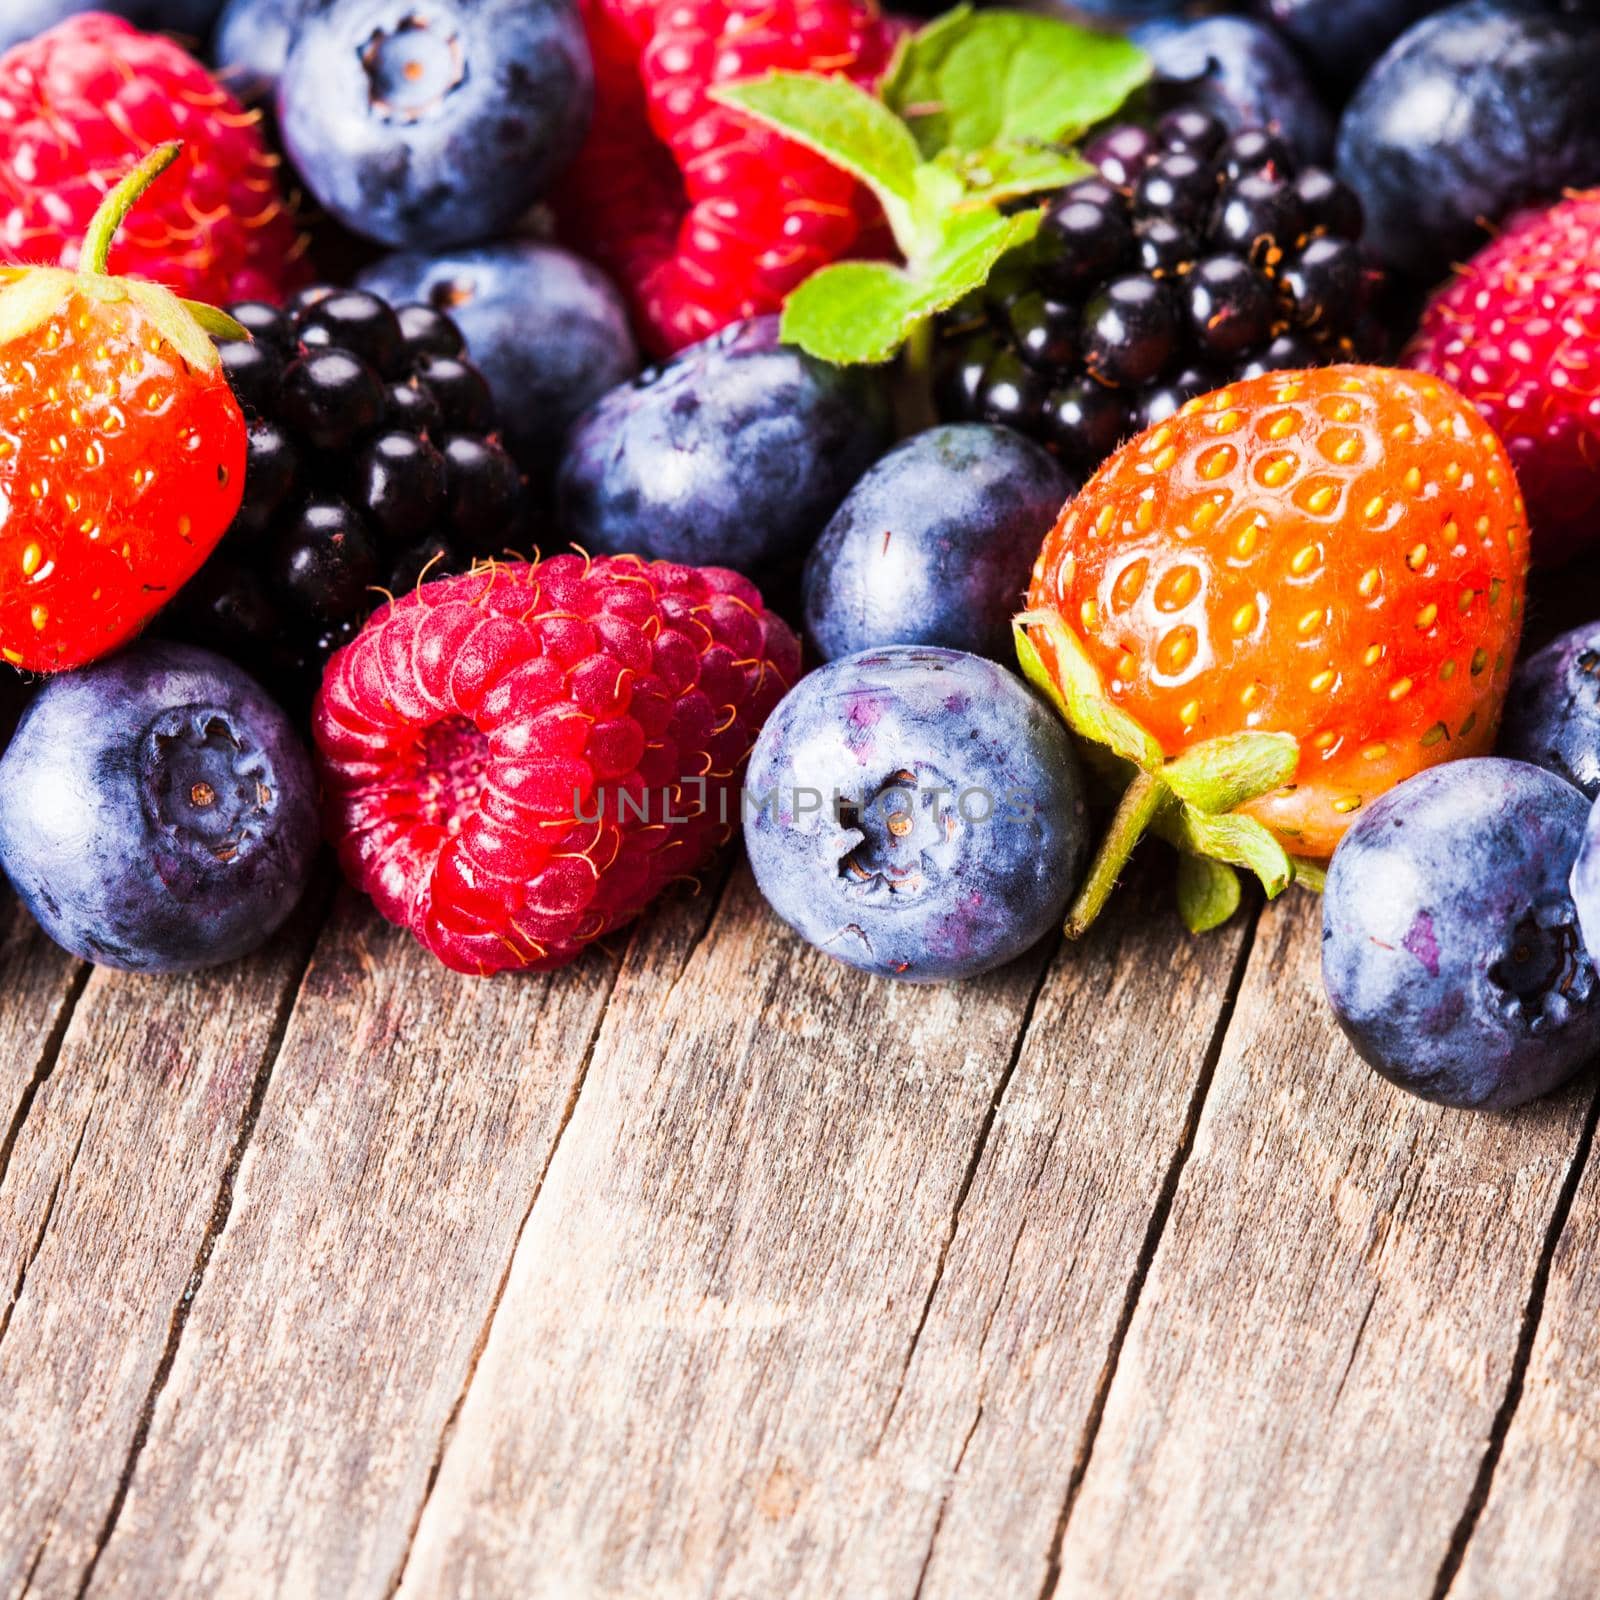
{"x": 113, "y": 1185}
{"x": 1538, "y": 1533}
{"x": 409, "y": 1121}
{"x": 39, "y": 986}
{"x": 1329, "y": 1324}
{"x": 779, "y": 1225}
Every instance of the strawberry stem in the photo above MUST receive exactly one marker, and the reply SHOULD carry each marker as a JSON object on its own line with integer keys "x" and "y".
{"x": 1141, "y": 802}
{"x": 120, "y": 201}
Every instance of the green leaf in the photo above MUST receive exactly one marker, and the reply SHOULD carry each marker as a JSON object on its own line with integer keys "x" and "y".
{"x": 863, "y": 311}
{"x": 975, "y": 79}
{"x": 31, "y": 299}
{"x": 215, "y": 321}
{"x": 843, "y": 124}
{"x": 1080, "y": 696}
{"x": 1312, "y": 874}
{"x": 1208, "y": 893}
{"x": 174, "y": 323}
{"x": 1222, "y": 774}
{"x": 1240, "y": 840}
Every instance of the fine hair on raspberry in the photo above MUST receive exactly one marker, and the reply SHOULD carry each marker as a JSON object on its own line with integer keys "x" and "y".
{"x": 516, "y": 761}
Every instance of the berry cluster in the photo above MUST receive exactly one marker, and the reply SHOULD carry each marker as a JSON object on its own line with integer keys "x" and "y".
{"x": 373, "y": 459}
{"x": 1194, "y": 259}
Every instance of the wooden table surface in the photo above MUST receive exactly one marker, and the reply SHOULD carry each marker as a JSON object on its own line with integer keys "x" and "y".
{"x": 710, "y": 1268}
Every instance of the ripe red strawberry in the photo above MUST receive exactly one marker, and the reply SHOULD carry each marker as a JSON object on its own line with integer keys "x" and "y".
{"x": 1330, "y": 564}
{"x": 83, "y": 103}
{"x": 122, "y": 448}
{"x": 517, "y": 761}
{"x": 703, "y": 215}
{"x": 1518, "y": 332}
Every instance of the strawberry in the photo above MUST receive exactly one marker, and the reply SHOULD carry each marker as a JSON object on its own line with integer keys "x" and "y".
{"x": 1517, "y": 330}
{"x": 81, "y": 104}
{"x": 705, "y": 216}
{"x": 122, "y": 448}
{"x": 1276, "y": 605}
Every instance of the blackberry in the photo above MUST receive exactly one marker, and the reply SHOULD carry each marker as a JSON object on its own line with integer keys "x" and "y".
{"x": 373, "y": 458}
{"x": 1196, "y": 256}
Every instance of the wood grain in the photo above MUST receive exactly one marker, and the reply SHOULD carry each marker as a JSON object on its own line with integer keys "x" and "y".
{"x": 767, "y": 1282}
{"x": 116, "y": 1173}
{"x": 1329, "y": 1326}
{"x": 1538, "y": 1533}
{"x": 408, "y": 1124}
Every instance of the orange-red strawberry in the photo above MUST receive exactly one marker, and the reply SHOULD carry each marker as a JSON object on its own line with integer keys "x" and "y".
{"x": 122, "y": 448}
{"x": 1278, "y": 604}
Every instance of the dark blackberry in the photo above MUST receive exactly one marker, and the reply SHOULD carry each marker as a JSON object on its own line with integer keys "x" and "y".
{"x": 1195, "y": 257}
{"x": 373, "y": 459}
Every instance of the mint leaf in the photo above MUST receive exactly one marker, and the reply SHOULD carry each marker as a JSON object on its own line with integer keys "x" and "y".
{"x": 863, "y": 311}
{"x": 975, "y": 79}
{"x": 1008, "y": 171}
{"x": 845, "y": 125}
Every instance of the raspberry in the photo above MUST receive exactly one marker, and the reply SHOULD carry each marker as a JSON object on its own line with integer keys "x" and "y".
{"x": 516, "y": 761}
{"x": 705, "y": 217}
{"x": 80, "y": 105}
{"x": 1518, "y": 332}
{"x": 373, "y": 459}
{"x": 1192, "y": 261}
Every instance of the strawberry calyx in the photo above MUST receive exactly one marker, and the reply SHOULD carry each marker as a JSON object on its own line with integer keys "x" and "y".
{"x": 30, "y": 296}
{"x": 1191, "y": 800}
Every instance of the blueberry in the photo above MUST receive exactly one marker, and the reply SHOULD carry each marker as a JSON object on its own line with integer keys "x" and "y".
{"x": 734, "y": 454}
{"x": 1552, "y": 715}
{"x": 916, "y": 813}
{"x": 546, "y": 329}
{"x": 1451, "y": 948}
{"x": 1342, "y": 38}
{"x": 1243, "y": 72}
{"x": 191, "y": 19}
{"x": 1468, "y": 115}
{"x": 252, "y": 43}
{"x": 157, "y": 812}
{"x": 436, "y": 125}
{"x": 934, "y": 545}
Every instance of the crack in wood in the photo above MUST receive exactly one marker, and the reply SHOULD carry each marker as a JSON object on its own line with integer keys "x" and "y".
{"x": 981, "y": 1143}
{"x": 48, "y": 1056}
{"x": 944, "y": 1503}
{"x": 1154, "y": 1230}
{"x": 1355, "y": 1347}
{"x": 221, "y": 1209}
{"x": 1456, "y": 1550}
{"x": 44, "y": 1227}
{"x": 482, "y": 1342}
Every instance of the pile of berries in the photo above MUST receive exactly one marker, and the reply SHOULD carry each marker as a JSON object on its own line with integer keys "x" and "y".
{"x": 1195, "y": 258}
{"x": 373, "y": 460}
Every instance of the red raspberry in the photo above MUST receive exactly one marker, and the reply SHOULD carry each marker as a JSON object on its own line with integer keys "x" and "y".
{"x": 1518, "y": 333}
{"x": 86, "y": 101}
{"x": 512, "y": 761}
{"x": 705, "y": 216}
